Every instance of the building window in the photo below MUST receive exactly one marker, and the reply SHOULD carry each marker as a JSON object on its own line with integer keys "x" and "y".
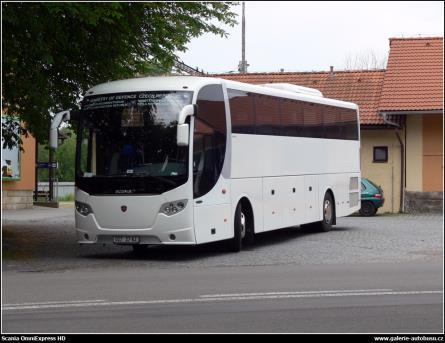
{"x": 380, "y": 154}
{"x": 11, "y": 156}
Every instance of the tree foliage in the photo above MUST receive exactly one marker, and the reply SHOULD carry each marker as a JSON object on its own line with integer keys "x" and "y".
{"x": 365, "y": 60}
{"x": 53, "y": 52}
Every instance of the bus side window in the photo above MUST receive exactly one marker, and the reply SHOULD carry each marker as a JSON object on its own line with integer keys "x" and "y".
{"x": 331, "y": 122}
{"x": 241, "y": 111}
{"x": 291, "y": 118}
{"x": 267, "y": 114}
{"x": 349, "y": 124}
{"x": 313, "y": 120}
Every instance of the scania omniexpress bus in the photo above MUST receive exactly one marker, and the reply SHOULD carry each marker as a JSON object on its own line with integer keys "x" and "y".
{"x": 191, "y": 160}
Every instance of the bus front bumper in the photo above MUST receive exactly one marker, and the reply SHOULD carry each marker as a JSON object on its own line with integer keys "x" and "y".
{"x": 165, "y": 230}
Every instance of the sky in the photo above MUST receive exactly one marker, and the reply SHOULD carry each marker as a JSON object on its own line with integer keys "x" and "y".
{"x": 312, "y": 36}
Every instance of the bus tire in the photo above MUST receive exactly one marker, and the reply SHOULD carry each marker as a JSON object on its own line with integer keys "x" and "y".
{"x": 328, "y": 214}
{"x": 239, "y": 227}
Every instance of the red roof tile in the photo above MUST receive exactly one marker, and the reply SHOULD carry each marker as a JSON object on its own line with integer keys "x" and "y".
{"x": 414, "y": 75}
{"x": 360, "y": 87}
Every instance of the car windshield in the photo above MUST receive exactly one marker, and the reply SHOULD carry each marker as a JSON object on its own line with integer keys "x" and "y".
{"x": 132, "y": 135}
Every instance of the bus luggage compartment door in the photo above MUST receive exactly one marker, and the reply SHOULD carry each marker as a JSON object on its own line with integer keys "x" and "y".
{"x": 311, "y": 198}
{"x": 273, "y": 198}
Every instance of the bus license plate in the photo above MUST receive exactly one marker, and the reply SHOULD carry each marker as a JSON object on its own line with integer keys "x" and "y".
{"x": 126, "y": 239}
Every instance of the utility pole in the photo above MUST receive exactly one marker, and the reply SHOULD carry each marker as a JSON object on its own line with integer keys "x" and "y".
{"x": 51, "y": 172}
{"x": 242, "y": 66}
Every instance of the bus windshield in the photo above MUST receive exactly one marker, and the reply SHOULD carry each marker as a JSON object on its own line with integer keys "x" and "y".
{"x": 131, "y": 137}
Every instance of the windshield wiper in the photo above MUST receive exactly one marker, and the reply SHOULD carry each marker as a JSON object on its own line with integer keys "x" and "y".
{"x": 128, "y": 174}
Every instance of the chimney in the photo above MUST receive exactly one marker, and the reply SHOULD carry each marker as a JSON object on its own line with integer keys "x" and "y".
{"x": 331, "y": 69}
{"x": 282, "y": 70}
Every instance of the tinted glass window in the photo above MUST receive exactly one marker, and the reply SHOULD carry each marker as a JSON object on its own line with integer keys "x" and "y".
{"x": 313, "y": 120}
{"x": 242, "y": 111}
{"x": 267, "y": 112}
{"x": 349, "y": 127}
{"x": 209, "y": 140}
{"x": 127, "y": 141}
{"x": 331, "y": 122}
{"x": 291, "y": 118}
{"x": 262, "y": 114}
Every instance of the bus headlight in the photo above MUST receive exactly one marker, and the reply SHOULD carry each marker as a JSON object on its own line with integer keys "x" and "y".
{"x": 173, "y": 207}
{"x": 83, "y": 209}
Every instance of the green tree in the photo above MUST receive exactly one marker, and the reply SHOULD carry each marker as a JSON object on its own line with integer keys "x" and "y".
{"x": 53, "y": 52}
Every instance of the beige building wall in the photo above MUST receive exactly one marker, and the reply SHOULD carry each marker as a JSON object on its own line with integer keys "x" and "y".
{"x": 414, "y": 153}
{"x": 433, "y": 153}
{"x": 384, "y": 174}
{"x": 18, "y": 194}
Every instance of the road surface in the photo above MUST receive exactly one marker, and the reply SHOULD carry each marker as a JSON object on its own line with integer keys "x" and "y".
{"x": 378, "y": 275}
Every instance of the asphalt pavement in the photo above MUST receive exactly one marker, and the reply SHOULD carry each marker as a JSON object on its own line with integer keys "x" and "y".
{"x": 368, "y": 275}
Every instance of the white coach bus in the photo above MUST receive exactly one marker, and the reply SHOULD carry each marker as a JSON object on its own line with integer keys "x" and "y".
{"x": 191, "y": 160}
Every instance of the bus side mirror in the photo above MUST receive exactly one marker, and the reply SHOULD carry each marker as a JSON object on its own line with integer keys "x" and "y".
{"x": 57, "y": 120}
{"x": 182, "y": 135}
{"x": 187, "y": 111}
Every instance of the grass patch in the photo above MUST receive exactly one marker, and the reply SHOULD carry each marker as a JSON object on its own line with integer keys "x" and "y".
{"x": 67, "y": 198}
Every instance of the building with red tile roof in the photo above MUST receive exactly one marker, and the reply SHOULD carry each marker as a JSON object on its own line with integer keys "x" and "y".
{"x": 414, "y": 75}
{"x": 412, "y": 94}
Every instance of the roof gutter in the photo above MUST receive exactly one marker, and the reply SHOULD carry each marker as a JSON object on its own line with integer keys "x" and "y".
{"x": 412, "y": 112}
{"x": 397, "y": 127}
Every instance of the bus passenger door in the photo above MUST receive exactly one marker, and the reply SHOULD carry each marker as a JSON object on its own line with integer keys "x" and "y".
{"x": 211, "y": 190}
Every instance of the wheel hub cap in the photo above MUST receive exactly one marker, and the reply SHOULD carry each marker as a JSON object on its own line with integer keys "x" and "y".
{"x": 243, "y": 225}
{"x": 327, "y": 211}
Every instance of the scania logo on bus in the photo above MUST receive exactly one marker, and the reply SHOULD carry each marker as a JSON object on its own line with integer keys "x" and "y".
{"x": 124, "y": 191}
{"x": 124, "y": 208}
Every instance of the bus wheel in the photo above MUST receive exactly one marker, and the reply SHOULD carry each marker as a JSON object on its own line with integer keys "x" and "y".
{"x": 239, "y": 228}
{"x": 328, "y": 214}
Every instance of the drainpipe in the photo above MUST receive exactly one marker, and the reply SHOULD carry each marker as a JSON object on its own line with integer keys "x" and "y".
{"x": 402, "y": 158}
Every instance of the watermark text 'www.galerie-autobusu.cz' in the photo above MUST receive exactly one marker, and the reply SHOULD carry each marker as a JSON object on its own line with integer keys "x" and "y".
{"x": 417, "y": 338}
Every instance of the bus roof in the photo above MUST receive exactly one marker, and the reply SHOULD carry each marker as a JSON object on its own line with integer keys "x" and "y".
{"x": 194, "y": 83}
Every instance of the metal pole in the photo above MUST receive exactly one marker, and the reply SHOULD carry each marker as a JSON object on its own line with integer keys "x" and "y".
{"x": 36, "y": 176}
{"x": 51, "y": 170}
{"x": 51, "y": 175}
{"x": 242, "y": 66}
{"x": 243, "y": 49}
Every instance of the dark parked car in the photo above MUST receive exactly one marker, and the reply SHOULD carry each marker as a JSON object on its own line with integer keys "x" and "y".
{"x": 371, "y": 198}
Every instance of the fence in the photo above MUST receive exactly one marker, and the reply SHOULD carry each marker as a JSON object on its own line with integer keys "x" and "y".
{"x": 61, "y": 189}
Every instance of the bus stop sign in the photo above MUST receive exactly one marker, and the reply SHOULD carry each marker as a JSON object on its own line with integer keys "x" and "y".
{"x": 47, "y": 165}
